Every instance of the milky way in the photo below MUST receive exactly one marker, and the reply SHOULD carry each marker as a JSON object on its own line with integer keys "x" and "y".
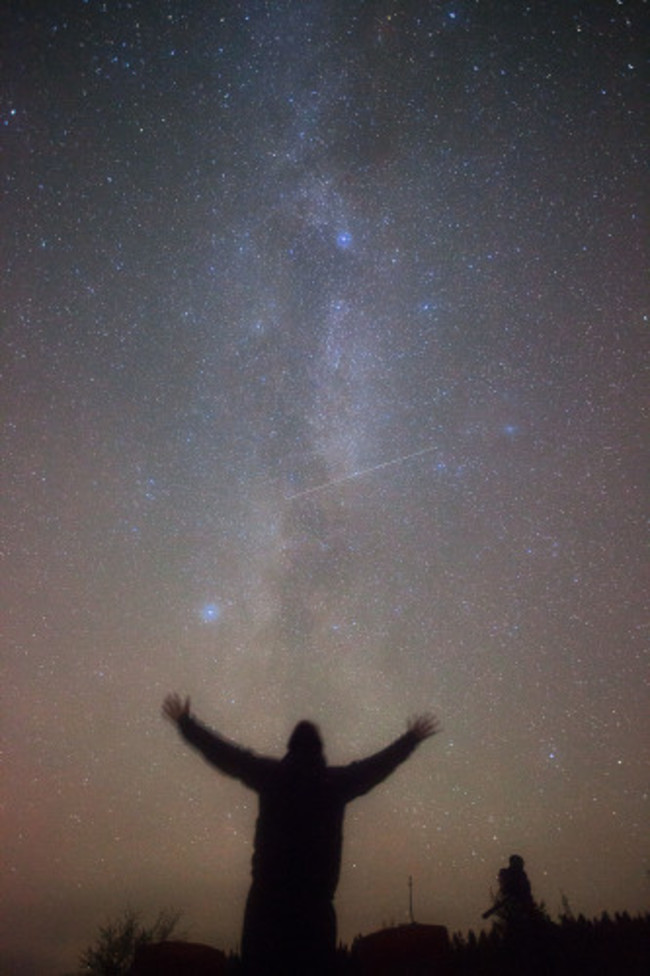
{"x": 323, "y": 335}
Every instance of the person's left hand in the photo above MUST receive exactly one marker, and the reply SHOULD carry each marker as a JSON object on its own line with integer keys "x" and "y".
{"x": 174, "y": 708}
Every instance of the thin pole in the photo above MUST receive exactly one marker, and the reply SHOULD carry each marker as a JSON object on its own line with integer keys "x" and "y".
{"x": 411, "y": 916}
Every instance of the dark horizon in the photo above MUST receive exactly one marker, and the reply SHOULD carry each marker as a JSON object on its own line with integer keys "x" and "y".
{"x": 22, "y": 963}
{"x": 568, "y": 944}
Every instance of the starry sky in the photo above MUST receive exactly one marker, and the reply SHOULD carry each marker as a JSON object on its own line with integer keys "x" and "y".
{"x": 322, "y": 334}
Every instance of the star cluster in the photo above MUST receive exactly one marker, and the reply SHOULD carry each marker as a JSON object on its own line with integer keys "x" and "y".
{"x": 323, "y": 340}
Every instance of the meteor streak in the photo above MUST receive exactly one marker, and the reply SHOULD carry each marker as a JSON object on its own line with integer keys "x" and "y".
{"x": 358, "y": 474}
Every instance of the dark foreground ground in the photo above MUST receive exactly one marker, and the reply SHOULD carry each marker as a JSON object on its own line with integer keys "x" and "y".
{"x": 605, "y": 946}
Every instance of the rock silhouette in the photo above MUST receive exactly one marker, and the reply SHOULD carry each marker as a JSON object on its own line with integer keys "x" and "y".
{"x": 178, "y": 959}
{"x": 418, "y": 950}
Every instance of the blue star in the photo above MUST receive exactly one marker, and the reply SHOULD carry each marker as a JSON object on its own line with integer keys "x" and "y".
{"x": 344, "y": 239}
{"x": 210, "y": 612}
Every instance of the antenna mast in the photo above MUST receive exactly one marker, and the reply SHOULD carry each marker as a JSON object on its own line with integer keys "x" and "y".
{"x": 411, "y": 916}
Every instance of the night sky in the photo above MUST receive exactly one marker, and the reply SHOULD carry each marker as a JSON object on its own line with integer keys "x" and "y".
{"x": 323, "y": 332}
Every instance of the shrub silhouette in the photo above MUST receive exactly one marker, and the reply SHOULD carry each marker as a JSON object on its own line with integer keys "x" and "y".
{"x": 112, "y": 952}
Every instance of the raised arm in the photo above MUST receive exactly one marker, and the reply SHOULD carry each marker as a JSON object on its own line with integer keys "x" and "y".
{"x": 360, "y": 777}
{"x": 229, "y": 758}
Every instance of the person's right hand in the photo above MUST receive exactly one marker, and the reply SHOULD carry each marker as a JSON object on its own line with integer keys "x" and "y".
{"x": 174, "y": 708}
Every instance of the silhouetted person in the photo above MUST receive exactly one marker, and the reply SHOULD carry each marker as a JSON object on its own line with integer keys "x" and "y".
{"x": 527, "y": 934}
{"x": 290, "y": 923}
{"x": 515, "y": 904}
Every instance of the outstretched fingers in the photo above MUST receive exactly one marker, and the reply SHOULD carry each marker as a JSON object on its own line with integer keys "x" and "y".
{"x": 423, "y": 726}
{"x": 174, "y": 707}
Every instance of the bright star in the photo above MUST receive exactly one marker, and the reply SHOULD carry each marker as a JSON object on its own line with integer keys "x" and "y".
{"x": 209, "y": 613}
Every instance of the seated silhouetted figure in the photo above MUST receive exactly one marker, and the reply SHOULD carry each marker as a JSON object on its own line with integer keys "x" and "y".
{"x": 514, "y": 905}
{"x": 289, "y": 923}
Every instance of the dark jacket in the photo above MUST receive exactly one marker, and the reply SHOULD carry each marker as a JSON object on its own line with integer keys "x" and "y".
{"x": 299, "y": 832}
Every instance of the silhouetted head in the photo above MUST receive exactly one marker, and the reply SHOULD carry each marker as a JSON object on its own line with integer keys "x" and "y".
{"x": 516, "y": 862}
{"x": 305, "y": 743}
